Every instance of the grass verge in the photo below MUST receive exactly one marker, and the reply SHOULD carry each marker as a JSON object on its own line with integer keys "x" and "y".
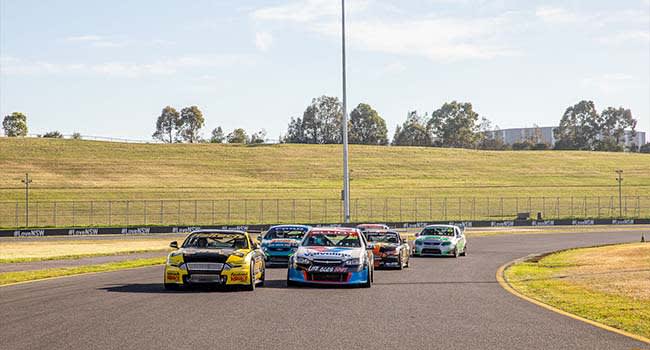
{"x": 22, "y": 276}
{"x": 609, "y": 284}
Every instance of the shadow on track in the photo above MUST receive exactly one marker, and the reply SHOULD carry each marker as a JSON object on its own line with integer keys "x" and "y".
{"x": 158, "y": 288}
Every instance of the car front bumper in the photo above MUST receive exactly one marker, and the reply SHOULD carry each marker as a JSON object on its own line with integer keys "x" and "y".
{"x": 181, "y": 276}
{"x": 334, "y": 278}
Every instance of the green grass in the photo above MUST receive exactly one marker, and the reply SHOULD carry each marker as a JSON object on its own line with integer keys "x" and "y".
{"x": 197, "y": 184}
{"x": 605, "y": 284}
{"x": 22, "y": 276}
{"x": 72, "y": 169}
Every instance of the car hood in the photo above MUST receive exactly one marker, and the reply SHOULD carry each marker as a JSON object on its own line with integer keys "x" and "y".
{"x": 382, "y": 244}
{"x": 330, "y": 253}
{"x": 207, "y": 255}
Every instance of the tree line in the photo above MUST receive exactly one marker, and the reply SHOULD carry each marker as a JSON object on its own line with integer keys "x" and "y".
{"x": 454, "y": 124}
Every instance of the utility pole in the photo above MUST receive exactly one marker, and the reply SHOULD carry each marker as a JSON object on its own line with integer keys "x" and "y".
{"x": 619, "y": 179}
{"x": 346, "y": 173}
{"x": 27, "y": 180}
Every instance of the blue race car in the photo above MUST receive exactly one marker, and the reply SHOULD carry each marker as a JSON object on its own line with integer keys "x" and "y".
{"x": 280, "y": 242}
{"x": 332, "y": 256}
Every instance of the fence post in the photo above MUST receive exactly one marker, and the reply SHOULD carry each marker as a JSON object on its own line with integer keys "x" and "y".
{"x": 127, "y": 213}
{"x": 145, "y": 213}
{"x": 92, "y": 212}
{"x": 110, "y": 214}
{"x": 584, "y": 206}
{"x": 16, "y": 214}
{"x": 572, "y": 207}
{"x": 212, "y": 212}
{"x": 36, "y": 214}
{"x": 54, "y": 214}
{"x": 74, "y": 221}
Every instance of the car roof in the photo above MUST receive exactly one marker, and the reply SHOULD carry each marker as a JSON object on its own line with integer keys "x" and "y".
{"x": 218, "y": 231}
{"x": 288, "y": 226}
{"x": 334, "y": 229}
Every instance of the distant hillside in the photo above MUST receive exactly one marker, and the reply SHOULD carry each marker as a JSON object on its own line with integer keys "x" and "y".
{"x": 71, "y": 169}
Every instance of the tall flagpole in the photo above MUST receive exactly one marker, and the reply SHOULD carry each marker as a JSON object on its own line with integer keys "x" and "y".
{"x": 346, "y": 172}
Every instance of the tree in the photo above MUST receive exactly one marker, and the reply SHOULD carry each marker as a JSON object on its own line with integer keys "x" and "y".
{"x": 238, "y": 136}
{"x": 258, "y": 137}
{"x": 191, "y": 122}
{"x": 578, "y": 127}
{"x": 491, "y": 138}
{"x": 413, "y": 132}
{"x": 455, "y": 125}
{"x": 168, "y": 122}
{"x": 612, "y": 124}
{"x": 367, "y": 127}
{"x": 53, "y": 135}
{"x": 645, "y": 148}
{"x": 217, "y": 136}
{"x": 320, "y": 123}
{"x": 15, "y": 124}
{"x": 76, "y": 136}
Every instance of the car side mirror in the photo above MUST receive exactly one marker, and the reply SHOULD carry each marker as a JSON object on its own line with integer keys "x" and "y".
{"x": 174, "y": 245}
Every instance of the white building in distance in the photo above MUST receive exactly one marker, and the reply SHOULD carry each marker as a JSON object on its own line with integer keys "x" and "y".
{"x": 545, "y": 135}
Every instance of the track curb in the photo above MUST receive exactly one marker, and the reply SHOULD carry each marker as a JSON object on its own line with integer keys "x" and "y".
{"x": 500, "y": 276}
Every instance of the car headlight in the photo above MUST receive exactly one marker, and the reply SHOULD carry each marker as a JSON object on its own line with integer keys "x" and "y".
{"x": 418, "y": 242}
{"x": 353, "y": 261}
{"x": 446, "y": 243}
{"x": 239, "y": 254}
{"x": 302, "y": 260}
{"x": 175, "y": 259}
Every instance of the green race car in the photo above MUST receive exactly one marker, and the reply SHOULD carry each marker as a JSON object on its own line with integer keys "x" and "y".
{"x": 440, "y": 240}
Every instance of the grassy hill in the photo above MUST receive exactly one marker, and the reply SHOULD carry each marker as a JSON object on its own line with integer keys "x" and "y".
{"x": 73, "y": 169}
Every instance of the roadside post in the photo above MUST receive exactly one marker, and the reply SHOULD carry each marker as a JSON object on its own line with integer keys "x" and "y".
{"x": 27, "y": 180}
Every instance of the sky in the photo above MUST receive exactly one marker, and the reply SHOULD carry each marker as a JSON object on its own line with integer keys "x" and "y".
{"x": 108, "y": 68}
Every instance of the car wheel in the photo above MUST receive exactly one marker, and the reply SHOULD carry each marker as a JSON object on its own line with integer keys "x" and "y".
{"x": 290, "y": 283}
{"x": 368, "y": 282}
{"x": 408, "y": 261}
{"x": 400, "y": 263}
{"x": 261, "y": 283}
{"x": 455, "y": 252}
{"x": 251, "y": 285}
{"x": 464, "y": 253}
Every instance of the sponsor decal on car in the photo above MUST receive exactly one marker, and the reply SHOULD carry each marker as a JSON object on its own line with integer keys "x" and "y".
{"x": 328, "y": 269}
{"x": 238, "y": 277}
{"x": 172, "y": 276}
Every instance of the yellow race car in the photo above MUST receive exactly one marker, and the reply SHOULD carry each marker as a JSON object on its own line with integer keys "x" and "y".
{"x": 218, "y": 257}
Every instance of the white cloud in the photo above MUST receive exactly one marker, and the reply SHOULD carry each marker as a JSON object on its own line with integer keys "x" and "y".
{"x": 609, "y": 83}
{"x": 84, "y": 38}
{"x": 14, "y": 66}
{"x": 626, "y": 37}
{"x": 306, "y": 10}
{"x": 553, "y": 14}
{"x": 436, "y": 38}
{"x": 263, "y": 40}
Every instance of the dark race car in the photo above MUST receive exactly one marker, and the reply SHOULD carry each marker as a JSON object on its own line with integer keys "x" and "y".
{"x": 280, "y": 242}
{"x": 389, "y": 249}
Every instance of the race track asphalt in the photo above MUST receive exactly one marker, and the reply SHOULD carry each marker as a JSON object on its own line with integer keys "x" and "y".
{"x": 437, "y": 303}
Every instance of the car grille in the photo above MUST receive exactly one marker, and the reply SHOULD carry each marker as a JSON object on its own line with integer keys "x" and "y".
{"x": 328, "y": 277}
{"x": 213, "y": 267}
{"x": 431, "y": 243}
{"x": 327, "y": 262}
{"x": 430, "y": 251}
{"x": 283, "y": 259}
{"x": 279, "y": 249}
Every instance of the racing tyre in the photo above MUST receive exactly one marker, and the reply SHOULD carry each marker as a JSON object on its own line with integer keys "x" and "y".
{"x": 368, "y": 283}
{"x": 251, "y": 285}
{"x": 408, "y": 261}
{"x": 455, "y": 252}
{"x": 464, "y": 253}
{"x": 261, "y": 282}
{"x": 400, "y": 263}
{"x": 290, "y": 283}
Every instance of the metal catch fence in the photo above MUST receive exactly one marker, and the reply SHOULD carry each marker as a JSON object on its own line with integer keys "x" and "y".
{"x": 14, "y": 214}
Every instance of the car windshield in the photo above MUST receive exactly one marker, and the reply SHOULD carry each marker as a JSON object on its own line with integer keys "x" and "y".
{"x": 437, "y": 231}
{"x": 215, "y": 240}
{"x": 333, "y": 239}
{"x": 282, "y": 232}
{"x": 383, "y": 237}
